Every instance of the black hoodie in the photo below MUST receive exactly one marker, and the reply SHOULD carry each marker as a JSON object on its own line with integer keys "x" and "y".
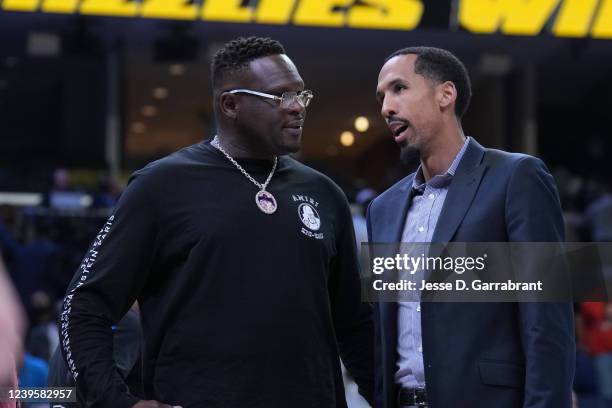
{"x": 239, "y": 308}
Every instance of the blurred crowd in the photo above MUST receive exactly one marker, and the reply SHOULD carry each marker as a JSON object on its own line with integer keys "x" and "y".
{"x": 587, "y": 205}
{"x": 42, "y": 247}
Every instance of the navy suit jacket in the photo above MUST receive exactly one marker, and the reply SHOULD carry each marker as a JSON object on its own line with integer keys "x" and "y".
{"x": 483, "y": 354}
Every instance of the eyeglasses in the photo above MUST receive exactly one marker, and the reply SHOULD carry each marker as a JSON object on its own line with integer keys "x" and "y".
{"x": 285, "y": 100}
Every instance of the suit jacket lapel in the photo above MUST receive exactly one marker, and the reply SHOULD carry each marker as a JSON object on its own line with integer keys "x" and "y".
{"x": 461, "y": 192}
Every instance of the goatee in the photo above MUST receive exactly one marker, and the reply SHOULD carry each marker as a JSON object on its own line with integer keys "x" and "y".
{"x": 410, "y": 156}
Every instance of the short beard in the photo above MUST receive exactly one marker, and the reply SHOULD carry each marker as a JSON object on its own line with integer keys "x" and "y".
{"x": 292, "y": 149}
{"x": 410, "y": 155}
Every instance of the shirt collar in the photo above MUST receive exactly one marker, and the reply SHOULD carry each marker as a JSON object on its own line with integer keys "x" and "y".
{"x": 440, "y": 180}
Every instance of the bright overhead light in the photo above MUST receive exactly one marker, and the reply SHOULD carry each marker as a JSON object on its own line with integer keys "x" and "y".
{"x": 160, "y": 93}
{"x": 176, "y": 69}
{"x": 149, "y": 111}
{"x": 362, "y": 124}
{"x": 138, "y": 127}
{"x": 347, "y": 138}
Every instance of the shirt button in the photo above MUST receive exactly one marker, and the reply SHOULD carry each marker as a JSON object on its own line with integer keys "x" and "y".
{"x": 418, "y": 308}
{"x": 421, "y": 229}
{"x": 432, "y": 196}
{"x": 420, "y": 349}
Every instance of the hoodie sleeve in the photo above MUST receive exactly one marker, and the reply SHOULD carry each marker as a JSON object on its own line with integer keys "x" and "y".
{"x": 108, "y": 281}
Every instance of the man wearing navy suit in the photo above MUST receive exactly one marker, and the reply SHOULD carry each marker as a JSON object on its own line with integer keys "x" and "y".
{"x": 463, "y": 355}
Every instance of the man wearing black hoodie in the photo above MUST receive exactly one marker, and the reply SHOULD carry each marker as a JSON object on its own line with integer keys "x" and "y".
{"x": 242, "y": 259}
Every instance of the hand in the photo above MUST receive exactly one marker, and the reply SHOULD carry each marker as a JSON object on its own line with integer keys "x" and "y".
{"x": 153, "y": 404}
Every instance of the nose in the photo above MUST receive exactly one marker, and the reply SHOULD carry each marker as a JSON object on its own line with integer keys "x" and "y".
{"x": 296, "y": 106}
{"x": 388, "y": 108}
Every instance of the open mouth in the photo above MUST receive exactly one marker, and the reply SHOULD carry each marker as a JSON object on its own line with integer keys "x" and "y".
{"x": 398, "y": 129}
{"x": 397, "y": 132}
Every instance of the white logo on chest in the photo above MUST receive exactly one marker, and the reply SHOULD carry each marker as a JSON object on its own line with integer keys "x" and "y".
{"x": 307, "y": 211}
{"x": 309, "y": 216}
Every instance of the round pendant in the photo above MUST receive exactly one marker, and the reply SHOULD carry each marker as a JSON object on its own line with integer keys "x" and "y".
{"x": 265, "y": 201}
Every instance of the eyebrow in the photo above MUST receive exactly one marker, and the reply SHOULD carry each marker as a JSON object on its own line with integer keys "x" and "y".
{"x": 279, "y": 89}
{"x": 380, "y": 95}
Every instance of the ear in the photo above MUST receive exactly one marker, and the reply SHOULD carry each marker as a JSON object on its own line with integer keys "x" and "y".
{"x": 228, "y": 105}
{"x": 447, "y": 94}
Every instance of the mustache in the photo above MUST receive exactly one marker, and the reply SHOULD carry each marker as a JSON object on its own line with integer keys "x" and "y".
{"x": 392, "y": 119}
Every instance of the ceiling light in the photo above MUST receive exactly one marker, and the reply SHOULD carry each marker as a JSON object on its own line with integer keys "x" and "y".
{"x": 160, "y": 93}
{"x": 149, "y": 111}
{"x": 138, "y": 127}
{"x": 176, "y": 69}
{"x": 362, "y": 124}
{"x": 347, "y": 138}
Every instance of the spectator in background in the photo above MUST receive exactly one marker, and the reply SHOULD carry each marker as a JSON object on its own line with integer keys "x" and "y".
{"x": 597, "y": 334}
{"x": 107, "y": 194}
{"x": 33, "y": 373}
{"x": 358, "y": 210}
{"x": 63, "y": 195}
{"x": 35, "y": 266}
{"x": 598, "y": 215}
{"x": 43, "y": 336}
{"x": 585, "y": 379}
{"x": 61, "y": 180}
